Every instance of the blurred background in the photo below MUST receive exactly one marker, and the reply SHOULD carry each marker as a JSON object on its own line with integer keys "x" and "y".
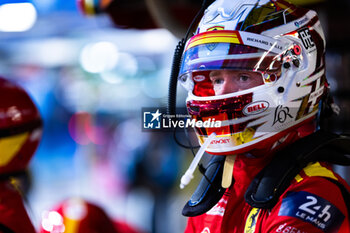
{"x": 91, "y": 66}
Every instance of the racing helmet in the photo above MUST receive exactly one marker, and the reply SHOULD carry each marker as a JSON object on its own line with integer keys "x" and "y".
{"x": 257, "y": 69}
{"x": 20, "y": 128}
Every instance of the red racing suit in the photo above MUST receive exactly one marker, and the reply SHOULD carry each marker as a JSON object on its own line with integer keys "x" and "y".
{"x": 311, "y": 204}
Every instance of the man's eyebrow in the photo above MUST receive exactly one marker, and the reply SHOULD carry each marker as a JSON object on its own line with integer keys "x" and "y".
{"x": 214, "y": 73}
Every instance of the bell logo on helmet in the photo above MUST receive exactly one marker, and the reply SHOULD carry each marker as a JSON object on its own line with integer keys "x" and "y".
{"x": 255, "y": 108}
{"x": 199, "y": 78}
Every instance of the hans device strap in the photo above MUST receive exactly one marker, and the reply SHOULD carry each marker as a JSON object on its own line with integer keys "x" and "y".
{"x": 209, "y": 190}
{"x": 274, "y": 179}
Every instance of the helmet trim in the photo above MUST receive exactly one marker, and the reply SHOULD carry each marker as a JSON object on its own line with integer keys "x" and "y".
{"x": 238, "y": 37}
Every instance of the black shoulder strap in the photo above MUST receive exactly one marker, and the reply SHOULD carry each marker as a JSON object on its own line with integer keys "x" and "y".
{"x": 274, "y": 179}
{"x": 209, "y": 190}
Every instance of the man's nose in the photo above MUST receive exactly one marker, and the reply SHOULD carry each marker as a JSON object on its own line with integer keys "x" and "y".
{"x": 229, "y": 87}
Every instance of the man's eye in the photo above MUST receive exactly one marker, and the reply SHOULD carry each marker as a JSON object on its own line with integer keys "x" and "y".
{"x": 218, "y": 81}
{"x": 244, "y": 78}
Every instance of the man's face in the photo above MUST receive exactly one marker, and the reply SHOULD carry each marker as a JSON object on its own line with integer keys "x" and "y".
{"x": 229, "y": 81}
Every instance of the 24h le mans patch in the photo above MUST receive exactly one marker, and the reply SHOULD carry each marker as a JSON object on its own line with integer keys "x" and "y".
{"x": 312, "y": 209}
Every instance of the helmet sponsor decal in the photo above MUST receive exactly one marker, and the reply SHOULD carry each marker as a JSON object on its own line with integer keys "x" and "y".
{"x": 215, "y": 28}
{"x": 305, "y": 37}
{"x": 236, "y": 37}
{"x": 313, "y": 209}
{"x": 282, "y": 114}
{"x": 216, "y": 36}
{"x": 255, "y": 108}
{"x": 212, "y": 46}
{"x": 199, "y": 78}
{"x": 301, "y": 22}
{"x": 220, "y": 141}
{"x": 262, "y": 42}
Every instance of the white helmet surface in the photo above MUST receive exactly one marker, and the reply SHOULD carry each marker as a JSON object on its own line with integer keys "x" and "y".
{"x": 258, "y": 68}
